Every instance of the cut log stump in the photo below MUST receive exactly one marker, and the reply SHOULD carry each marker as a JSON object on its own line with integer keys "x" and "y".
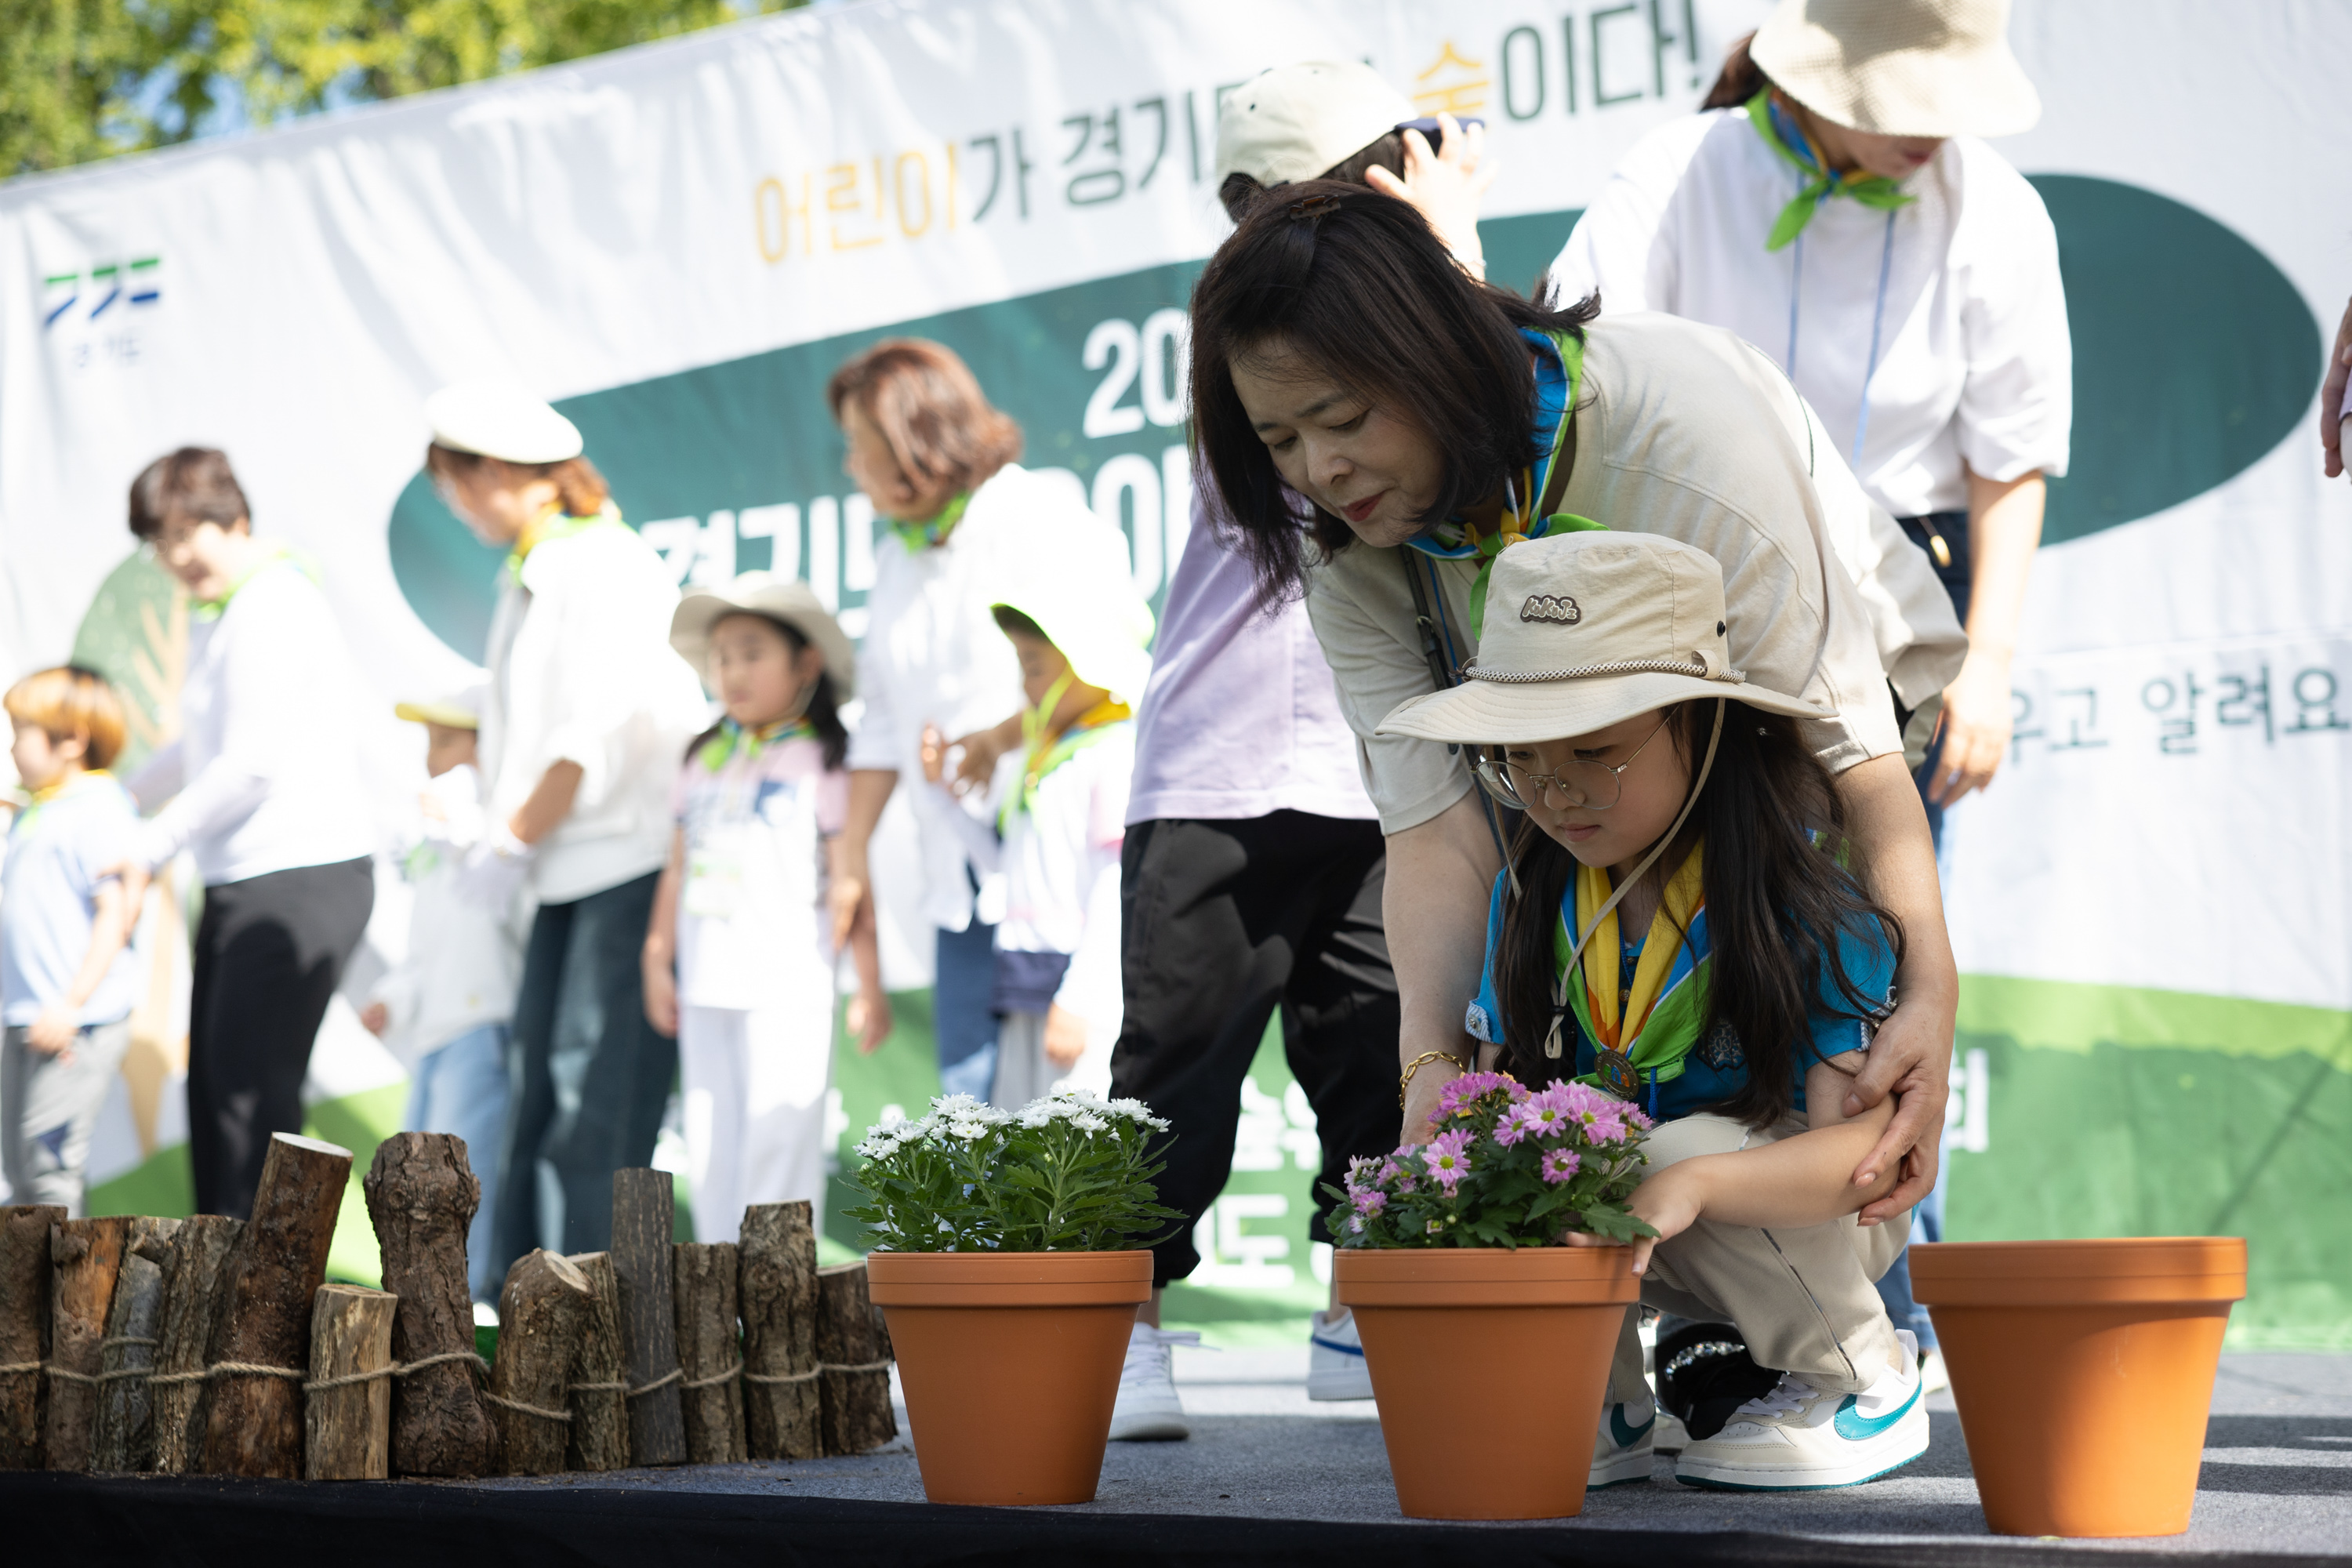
{"x": 23, "y": 1330}
{"x": 200, "y": 1254}
{"x": 540, "y": 1312}
{"x": 643, "y": 1218}
{"x": 776, "y": 1294}
{"x": 421, "y": 1195}
{"x": 260, "y": 1351}
{"x": 85, "y": 1260}
{"x": 600, "y": 1406}
{"x": 347, "y": 1405}
{"x": 710, "y": 1350}
{"x": 855, "y": 1348}
{"x": 125, "y": 1444}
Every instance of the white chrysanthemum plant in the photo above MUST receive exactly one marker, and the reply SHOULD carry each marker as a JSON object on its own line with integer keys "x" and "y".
{"x": 1069, "y": 1173}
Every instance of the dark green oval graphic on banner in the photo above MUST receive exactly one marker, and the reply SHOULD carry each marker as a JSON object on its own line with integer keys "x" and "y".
{"x": 2193, "y": 355}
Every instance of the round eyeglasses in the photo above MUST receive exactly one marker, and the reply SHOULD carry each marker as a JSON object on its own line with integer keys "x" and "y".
{"x": 1581, "y": 783}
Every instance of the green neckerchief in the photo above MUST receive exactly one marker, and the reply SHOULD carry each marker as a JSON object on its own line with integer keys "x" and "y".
{"x": 41, "y": 797}
{"x": 270, "y": 555}
{"x": 1044, "y": 755}
{"x": 732, "y": 738}
{"x": 931, "y": 531}
{"x": 556, "y": 523}
{"x": 1871, "y": 189}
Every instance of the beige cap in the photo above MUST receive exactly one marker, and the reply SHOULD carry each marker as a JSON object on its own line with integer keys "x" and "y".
{"x": 1293, "y": 122}
{"x": 779, "y": 598}
{"x": 1585, "y": 630}
{"x": 1900, "y": 68}
{"x": 497, "y": 419}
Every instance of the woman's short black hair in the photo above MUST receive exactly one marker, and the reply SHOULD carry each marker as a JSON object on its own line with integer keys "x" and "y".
{"x": 1357, "y": 285}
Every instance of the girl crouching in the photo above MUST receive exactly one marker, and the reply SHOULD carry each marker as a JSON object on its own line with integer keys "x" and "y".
{"x": 1679, "y": 924}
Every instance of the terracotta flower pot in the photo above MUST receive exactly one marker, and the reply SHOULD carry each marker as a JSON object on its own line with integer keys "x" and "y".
{"x": 1010, "y": 1364}
{"x": 1490, "y": 1367}
{"x": 2084, "y": 1370}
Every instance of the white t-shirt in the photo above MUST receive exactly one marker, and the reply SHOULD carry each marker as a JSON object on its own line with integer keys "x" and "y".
{"x": 49, "y": 901}
{"x": 933, "y": 653}
{"x": 266, "y": 775}
{"x": 464, "y": 961}
{"x": 1974, "y": 363}
{"x": 582, "y": 671}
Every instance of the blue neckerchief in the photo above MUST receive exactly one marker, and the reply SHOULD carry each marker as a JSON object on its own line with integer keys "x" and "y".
{"x": 1552, "y": 393}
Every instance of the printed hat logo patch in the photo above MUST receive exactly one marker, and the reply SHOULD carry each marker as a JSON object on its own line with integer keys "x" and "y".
{"x": 1558, "y": 608}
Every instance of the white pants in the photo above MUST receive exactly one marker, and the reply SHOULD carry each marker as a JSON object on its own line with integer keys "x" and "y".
{"x": 754, "y": 1086}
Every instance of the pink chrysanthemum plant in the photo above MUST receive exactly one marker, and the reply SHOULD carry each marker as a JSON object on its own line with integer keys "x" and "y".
{"x": 1507, "y": 1167}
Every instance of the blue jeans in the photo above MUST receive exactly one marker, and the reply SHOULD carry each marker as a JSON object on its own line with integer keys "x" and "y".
{"x": 963, "y": 1009}
{"x": 587, "y": 1075}
{"x": 461, "y": 1087}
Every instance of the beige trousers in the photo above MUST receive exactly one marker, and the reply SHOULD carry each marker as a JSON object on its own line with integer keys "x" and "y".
{"x": 1804, "y": 1299}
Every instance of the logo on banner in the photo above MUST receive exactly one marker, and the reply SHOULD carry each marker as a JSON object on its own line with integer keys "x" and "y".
{"x": 106, "y": 287}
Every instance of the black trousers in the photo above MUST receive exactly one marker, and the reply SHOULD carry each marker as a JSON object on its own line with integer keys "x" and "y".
{"x": 588, "y": 1076}
{"x": 1220, "y": 923}
{"x": 269, "y": 951}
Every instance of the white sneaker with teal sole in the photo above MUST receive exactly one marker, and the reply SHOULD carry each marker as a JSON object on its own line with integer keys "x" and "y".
{"x": 1801, "y": 1438}
{"x": 1335, "y": 1360}
{"x": 1148, "y": 1410}
{"x": 1622, "y": 1450}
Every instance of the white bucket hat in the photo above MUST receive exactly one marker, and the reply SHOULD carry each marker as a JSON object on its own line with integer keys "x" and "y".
{"x": 1585, "y": 630}
{"x": 780, "y": 599}
{"x": 1295, "y": 121}
{"x": 499, "y": 419}
{"x": 1083, "y": 597}
{"x": 1900, "y": 68}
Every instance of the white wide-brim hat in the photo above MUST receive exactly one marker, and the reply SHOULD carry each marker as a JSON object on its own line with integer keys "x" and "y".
{"x": 1585, "y": 630}
{"x": 1294, "y": 123}
{"x": 1082, "y": 595}
{"x": 1900, "y": 68}
{"x": 785, "y": 599}
{"x": 497, "y": 419}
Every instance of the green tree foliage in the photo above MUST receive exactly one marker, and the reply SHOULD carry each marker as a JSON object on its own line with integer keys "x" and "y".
{"x": 84, "y": 79}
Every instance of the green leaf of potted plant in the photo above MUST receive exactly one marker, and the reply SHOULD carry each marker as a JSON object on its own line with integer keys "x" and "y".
{"x": 1489, "y": 1265}
{"x": 1011, "y": 1254}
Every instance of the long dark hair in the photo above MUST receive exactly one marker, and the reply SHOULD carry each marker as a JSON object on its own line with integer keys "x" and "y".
{"x": 823, "y": 710}
{"x": 1357, "y": 284}
{"x": 1781, "y": 880}
{"x": 1740, "y": 79}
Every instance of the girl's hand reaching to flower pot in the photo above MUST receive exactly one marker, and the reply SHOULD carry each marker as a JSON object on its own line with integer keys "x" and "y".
{"x": 1669, "y": 1205}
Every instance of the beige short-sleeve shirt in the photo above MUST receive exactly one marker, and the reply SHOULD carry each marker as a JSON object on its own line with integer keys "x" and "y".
{"x": 1682, "y": 430}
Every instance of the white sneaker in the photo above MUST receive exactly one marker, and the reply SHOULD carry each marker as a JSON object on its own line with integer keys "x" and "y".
{"x": 1672, "y": 1436}
{"x": 1335, "y": 1360}
{"x": 1801, "y": 1438}
{"x": 1934, "y": 1376}
{"x": 1623, "y": 1448}
{"x": 1148, "y": 1410}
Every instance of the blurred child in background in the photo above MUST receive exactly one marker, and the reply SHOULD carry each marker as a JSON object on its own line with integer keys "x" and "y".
{"x": 1056, "y": 818}
{"x": 68, "y": 977}
{"x": 444, "y": 1011}
{"x": 738, "y": 961}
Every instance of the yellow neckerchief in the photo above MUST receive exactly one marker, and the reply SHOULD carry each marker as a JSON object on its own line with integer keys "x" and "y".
{"x": 554, "y": 523}
{"x": 1047, "y": 750}
{"x": 270, "y": 555}
{"x": 1617, "y": 1019}
{"x": 48, "y": 793}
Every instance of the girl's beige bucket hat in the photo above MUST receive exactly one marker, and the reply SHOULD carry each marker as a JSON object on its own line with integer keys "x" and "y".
{"x": 1900, "y": 68}
{"x": 1584, "y": 630}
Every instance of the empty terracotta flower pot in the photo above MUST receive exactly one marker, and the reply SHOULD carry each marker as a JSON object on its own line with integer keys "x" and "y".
{"x": 1490, "y": 1367}
{"x": 1009, "y": 1362}
{"x": 2084, "y": 1370}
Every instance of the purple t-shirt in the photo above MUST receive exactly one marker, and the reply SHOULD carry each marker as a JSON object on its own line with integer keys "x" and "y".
{"x": 1240, "y": 718}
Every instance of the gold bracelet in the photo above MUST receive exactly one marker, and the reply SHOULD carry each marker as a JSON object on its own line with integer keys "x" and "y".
{"x": 1420, "y": 1062}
